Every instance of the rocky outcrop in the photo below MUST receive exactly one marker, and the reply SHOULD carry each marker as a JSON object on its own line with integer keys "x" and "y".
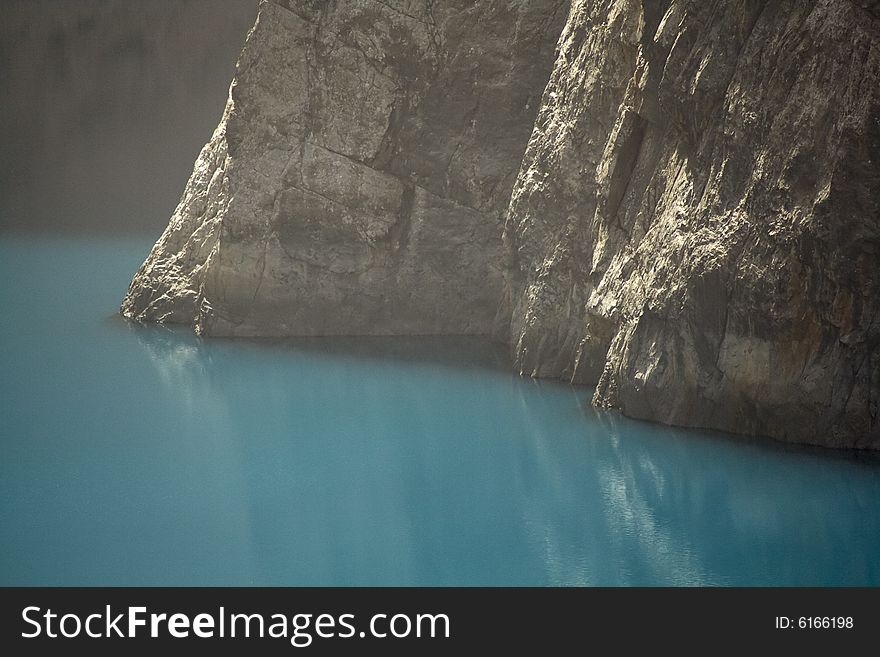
{"x": 693, "y": 228}
{"x": 696, "y": 226}
{"x": 358, "y": 180}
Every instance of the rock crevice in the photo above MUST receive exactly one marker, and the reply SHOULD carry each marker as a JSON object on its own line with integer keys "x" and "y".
{"x": 359, "y": 177}
{"x": 675, "y": 201}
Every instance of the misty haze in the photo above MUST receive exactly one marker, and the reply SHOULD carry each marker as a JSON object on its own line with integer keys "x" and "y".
{"x": 501, "y": 292}
{"x": 106, "y": 104}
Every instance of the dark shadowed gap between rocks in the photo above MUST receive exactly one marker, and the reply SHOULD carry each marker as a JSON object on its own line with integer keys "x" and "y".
{"x": 685, "y": 215}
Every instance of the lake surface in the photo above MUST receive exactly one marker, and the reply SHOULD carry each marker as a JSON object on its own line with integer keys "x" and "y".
{"x": 145, "y": 456}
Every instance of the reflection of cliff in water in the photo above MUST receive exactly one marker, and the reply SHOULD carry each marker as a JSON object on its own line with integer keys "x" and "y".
{"x": 737, "y": 501}
{"x": 447, "y": 457}
{"x": 106, "y": 104}
{"x": 202, "y": 423}
{"x": 663, "y": 505}
{"x": 604, "y": 523}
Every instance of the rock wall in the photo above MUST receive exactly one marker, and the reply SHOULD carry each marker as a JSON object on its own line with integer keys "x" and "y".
{"x": 358, "y": 181}
{"x": 696, "y": 225}
{"x": 693, "y": 228}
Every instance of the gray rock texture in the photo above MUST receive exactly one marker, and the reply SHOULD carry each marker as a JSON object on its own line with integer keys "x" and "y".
{"x": 358, "y": 180}
{"x": 687, "y": 215}
{"x": 696, "y": 225}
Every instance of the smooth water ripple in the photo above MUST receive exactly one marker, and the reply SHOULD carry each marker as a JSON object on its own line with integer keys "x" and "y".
{"x": 146, "y": 456}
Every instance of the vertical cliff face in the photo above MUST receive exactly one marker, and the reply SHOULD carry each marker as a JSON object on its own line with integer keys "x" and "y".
{"x": 696, "y": 225}
{"x": 693, "y": 225}
{"x": 358, "y": 180}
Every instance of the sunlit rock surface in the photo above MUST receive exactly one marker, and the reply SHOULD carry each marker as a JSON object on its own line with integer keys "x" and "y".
{"x": 693, "y": 225}
{"x": 696, "y": 226}
{"x": 358, "y": 181}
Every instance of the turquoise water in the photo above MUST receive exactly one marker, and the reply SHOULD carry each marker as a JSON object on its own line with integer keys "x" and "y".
{"x": 144, "y": 456}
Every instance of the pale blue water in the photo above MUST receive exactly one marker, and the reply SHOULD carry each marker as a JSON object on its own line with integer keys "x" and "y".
{"x": 142, "y": 456}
